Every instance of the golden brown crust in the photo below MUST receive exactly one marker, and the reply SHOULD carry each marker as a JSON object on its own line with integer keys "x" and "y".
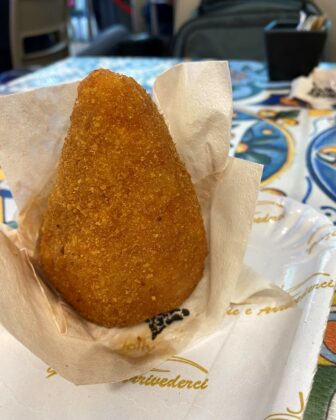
{"x": 122, "y": 238}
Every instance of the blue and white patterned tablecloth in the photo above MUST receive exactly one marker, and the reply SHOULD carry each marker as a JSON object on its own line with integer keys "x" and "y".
{"x": 249, "y": 78}
{"x": 296, "y": 145}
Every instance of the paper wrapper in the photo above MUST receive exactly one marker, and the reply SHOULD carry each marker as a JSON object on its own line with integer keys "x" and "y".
{"x": 195, "y": 99}
{"x": 318, "y": 89}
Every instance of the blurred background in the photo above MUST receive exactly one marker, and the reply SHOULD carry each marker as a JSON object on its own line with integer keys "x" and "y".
{"x": 39, "y": 32}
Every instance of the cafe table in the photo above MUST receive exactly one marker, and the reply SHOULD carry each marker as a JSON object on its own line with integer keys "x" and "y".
{"x": 295, "y": 143}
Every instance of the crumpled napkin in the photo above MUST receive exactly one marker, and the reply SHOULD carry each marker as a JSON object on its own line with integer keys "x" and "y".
{"x": 318, "y": 89}
{"x": 196, "y": 101}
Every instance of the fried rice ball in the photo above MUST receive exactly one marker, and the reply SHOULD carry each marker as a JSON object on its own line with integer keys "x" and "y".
{"x": 122, "y": 238}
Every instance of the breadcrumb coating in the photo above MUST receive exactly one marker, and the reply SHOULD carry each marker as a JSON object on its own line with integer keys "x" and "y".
{"x": 122, "y": 238}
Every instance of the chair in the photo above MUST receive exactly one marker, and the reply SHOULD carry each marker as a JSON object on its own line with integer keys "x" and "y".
{"x": 234, "y": 29}
{"x": 38, "y": 32}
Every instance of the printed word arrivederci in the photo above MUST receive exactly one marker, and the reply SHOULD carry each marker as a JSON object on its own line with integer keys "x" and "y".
{"x": 176, "y": 382}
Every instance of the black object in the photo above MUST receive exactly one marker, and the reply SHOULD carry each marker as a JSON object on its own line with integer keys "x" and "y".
{"x": 162, "y": 14}
{"x": 159, "y": 322}
{"x": 5, "y": 55}
{"x": 144, "y": 45}
{"x": 234, "y": 29}
{"x": 292, "y": 53}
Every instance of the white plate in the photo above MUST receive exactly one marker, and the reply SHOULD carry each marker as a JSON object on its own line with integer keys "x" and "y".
{"x": 260, "y": 365}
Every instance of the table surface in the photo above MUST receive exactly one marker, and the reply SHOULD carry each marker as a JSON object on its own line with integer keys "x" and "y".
{"x": 296, "y": 145}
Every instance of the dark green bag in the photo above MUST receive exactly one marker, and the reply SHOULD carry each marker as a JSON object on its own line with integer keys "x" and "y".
{"x": 234, "y": 29}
